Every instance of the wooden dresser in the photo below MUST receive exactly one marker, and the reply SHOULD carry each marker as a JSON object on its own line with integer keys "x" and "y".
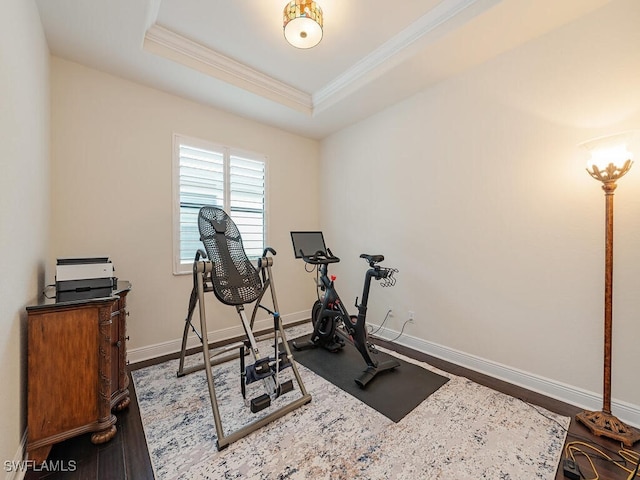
{"x": 76, "y": 377}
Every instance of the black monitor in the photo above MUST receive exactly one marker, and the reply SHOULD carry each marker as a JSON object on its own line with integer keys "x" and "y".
{"x": 308, "y": 243}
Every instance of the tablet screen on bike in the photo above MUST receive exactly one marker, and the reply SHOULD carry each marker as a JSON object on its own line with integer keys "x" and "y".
{"x": 308, "y": 243}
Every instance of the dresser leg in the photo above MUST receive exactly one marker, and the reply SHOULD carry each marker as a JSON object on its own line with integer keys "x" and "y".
{"x": 122, "y": 404}
{"x": 103, "y": 436}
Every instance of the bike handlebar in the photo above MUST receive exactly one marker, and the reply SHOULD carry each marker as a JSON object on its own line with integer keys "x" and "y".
{"x": 324, "y": 258}
{"x": 320, "y": 258}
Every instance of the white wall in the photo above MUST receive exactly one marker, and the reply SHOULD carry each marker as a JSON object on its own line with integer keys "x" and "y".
{"x": 112, "y": 184}
{"x": 476, "y": 191}
{"x": 24, "y": 201}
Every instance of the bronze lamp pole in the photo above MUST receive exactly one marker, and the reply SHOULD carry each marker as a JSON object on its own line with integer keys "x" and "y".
{"x": 604, "y": 423}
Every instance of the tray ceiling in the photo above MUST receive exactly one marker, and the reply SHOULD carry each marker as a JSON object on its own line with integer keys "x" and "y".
{"x": 231, "y": 54}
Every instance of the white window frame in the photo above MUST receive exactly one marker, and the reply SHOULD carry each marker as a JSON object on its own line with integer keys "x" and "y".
{"x": 180, "y": 267}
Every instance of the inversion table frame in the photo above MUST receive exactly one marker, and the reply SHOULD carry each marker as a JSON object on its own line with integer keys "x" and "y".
{"x": 203, "y": 279}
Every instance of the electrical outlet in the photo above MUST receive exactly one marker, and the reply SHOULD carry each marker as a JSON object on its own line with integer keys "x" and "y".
{"x": 411, "y": 315}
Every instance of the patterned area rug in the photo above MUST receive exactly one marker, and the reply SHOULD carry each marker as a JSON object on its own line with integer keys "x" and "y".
{"x": 462, "y": 431}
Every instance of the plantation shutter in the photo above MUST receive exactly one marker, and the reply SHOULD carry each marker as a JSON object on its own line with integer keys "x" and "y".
{"x": 219, "y": 176}
{"x": 246, "y": 203}
{"x": 201, "y": 183}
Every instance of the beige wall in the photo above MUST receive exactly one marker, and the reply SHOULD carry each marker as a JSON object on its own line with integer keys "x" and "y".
{"x": 476, "y": 191}
{"x": 112, "y": 194}
{"x": 473, "y": 189}
{"x": 24, "y": 201}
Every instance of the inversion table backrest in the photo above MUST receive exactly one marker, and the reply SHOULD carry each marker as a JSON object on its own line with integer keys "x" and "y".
{"x": 235, "y": 280}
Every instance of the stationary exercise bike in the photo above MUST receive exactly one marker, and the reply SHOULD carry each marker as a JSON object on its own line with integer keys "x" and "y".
{"x": 332, "y": 324}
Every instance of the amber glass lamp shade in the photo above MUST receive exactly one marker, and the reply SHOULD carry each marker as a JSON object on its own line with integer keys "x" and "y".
{"x": 302, "y": 23}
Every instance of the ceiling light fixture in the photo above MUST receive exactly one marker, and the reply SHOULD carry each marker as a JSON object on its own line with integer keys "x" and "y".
{"x": 303, "y": 23}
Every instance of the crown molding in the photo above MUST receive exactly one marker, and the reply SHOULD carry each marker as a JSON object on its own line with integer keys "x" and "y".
{"x": 161, "y": 41}
{"x": 369, "y": 67}
{"x": 173, "y": 46}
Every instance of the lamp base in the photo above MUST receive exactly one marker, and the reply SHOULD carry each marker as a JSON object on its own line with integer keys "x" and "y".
{"x": 604, "y": 424}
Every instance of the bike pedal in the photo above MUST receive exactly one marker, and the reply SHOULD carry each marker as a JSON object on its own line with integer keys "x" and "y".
{"x": 303, "y": 345}
{"x": 333, "y": 347}
{"x": 260, "y": 403}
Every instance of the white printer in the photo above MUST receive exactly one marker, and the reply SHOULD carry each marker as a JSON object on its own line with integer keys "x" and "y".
{"x": 82, "y": 278}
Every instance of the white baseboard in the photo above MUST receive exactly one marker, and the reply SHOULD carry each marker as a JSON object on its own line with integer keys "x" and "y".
{"x": 140, "y": 354}
{"x": 16, "y": 470}
{"x": 627, "y": 412}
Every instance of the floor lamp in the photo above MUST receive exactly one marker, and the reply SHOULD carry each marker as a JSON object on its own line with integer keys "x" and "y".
{"x": 610, "y": 160}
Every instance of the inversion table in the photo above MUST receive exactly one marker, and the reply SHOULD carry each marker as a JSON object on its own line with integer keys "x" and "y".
{"x": 226, "y": 270}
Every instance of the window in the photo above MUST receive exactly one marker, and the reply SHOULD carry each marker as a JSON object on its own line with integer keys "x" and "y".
{"x": 208, "y": 174}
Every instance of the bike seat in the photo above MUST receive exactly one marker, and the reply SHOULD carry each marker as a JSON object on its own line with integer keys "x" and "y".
{"x": 372, "y": 259}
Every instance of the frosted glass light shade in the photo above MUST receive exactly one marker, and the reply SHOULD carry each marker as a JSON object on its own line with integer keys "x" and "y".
{"x": 610, "y": 149}
{"x": 302, "y": 23}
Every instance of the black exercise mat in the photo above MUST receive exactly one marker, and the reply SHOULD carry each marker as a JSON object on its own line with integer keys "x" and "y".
{"x": 393, "y": 393}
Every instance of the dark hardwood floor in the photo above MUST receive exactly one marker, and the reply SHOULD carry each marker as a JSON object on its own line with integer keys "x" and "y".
{"x": 126, "y": 455}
